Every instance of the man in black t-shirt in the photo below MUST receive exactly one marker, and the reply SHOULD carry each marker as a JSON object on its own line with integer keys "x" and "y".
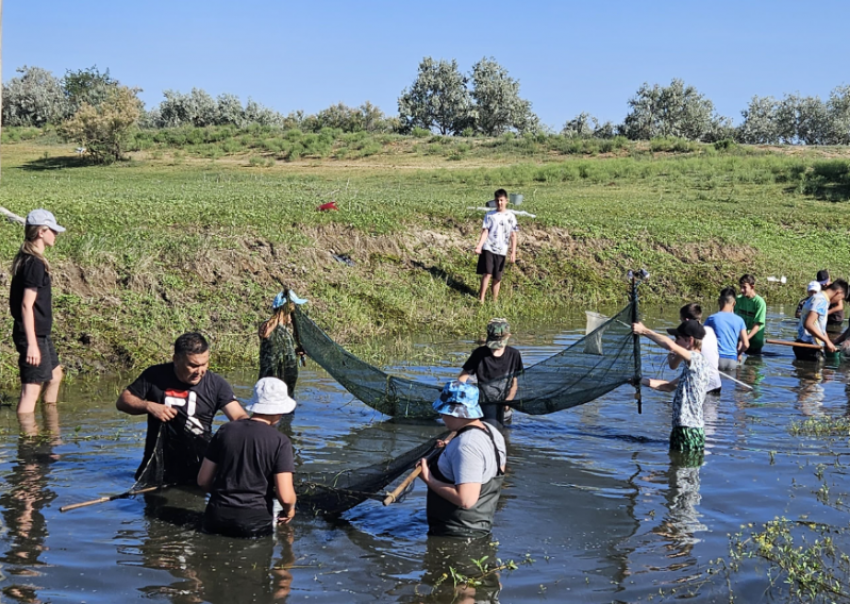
{"x": 247, "y": 464}
{"x": 495, "y": 366}
{"x": 184, "y": 392}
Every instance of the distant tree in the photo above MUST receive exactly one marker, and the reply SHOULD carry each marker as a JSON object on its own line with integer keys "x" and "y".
{"x": 229, "y": 111}
{"x": 498, "y": 106}
{"x": 787, "y": 119}
{"x": 203, "y": 108}
{"x": 674, "y": 110}
{"x": 437, "y": 100}
{"x": 838, "y": 107}
{"x": 87, "y": 86}
{"x": 814, "y": 126}
{"x": 105, "y": 129}
{"x": 255, "y": 113}
{"x": 583, "y": 125}
{"x": 759, "y": 125}
{"x": 35, "y": 98}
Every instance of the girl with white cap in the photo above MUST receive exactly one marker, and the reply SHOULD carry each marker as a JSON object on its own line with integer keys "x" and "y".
{"x": 247, "y": 465}
{"x": 31, "y": 305}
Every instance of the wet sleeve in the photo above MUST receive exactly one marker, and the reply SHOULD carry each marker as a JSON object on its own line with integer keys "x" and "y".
{"x": 284, "y": 461}
{"x": 32, "y": 274}
{"x": 142, "y": 386}
{"x": 224, "y": 393}
{"x": 214, "y": 449}
{"x": 472, "y": 362}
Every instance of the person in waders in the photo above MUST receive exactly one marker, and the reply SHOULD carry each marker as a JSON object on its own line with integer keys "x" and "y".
{"x": 247, "y": 465}
{"x": 495, "y": 366}
{"x": 31, "y": 307}
{"x": 279, "y": 351}
{"x": 465, "y": 479}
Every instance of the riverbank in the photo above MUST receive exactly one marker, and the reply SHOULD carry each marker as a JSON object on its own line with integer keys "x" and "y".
{"x": 162, "y": 244}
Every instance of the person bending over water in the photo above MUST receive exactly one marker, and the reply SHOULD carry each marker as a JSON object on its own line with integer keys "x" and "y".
{"x": 465, "y": 479}
{"x": 247, "y": 465}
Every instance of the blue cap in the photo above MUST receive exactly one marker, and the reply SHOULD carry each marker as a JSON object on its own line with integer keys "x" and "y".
{"x": 279, "y": 300}
{"x": 459, "y": 399}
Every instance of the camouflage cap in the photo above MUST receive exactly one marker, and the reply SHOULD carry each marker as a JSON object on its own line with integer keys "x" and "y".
{"x": 498, "y": 331}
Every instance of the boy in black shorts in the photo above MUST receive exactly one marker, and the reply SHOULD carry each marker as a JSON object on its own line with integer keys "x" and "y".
{"x": 499, "y": 232}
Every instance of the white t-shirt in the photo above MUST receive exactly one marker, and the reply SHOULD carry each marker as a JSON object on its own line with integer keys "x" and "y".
{"x": 499, "y": 227}
{"x": 712, "y": 357}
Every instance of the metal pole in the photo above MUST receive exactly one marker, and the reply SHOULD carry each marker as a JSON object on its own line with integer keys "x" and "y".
{"x": 635, "y": 319}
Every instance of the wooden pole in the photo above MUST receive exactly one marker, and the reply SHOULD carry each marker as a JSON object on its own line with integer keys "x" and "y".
{"x": 392, "y": 497}
{"x": 74, "y": 506}
{"x": 796, "y": 344}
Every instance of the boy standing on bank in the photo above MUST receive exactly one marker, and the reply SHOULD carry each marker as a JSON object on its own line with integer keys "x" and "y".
{"x": 498, "y": 234}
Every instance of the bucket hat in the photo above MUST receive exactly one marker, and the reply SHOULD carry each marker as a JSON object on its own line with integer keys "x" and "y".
{"x": 498, "y": 331}
{"x": 459, "y": 399}
{"x": 271, "y": 397}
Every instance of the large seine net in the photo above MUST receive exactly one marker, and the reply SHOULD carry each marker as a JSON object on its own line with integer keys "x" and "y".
{"x": 178, "y": 455}
{"x": 596, "y": 364}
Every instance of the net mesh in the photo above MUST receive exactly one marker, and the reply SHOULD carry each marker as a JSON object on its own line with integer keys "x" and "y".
{"x": 587, "y": 369}
{"x": 178, "y": 454}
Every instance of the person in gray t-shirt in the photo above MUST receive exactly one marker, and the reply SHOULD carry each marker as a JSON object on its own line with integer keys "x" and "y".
{"x": 465, "y": 482}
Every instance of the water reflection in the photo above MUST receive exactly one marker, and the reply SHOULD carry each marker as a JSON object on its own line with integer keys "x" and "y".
{"x": 26, "y": 494}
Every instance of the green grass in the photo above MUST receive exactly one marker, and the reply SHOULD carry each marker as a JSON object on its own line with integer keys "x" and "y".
{"x": 183, "y": 240}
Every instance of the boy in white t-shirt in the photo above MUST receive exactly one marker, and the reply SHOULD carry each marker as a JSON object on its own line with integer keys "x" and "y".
{"x": 498, "y": 234}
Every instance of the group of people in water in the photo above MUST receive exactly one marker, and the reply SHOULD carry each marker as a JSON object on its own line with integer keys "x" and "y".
{"x": 248, "y": 465}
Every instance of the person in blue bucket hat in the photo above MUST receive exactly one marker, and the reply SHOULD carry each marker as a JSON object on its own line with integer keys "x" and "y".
{"x": 465, "y": 479}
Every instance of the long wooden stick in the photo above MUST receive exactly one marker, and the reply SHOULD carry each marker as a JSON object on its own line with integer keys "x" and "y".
{"x": 392, "y": 497}
{"x": 797, "y": 344}
{"x": 74, "y": 506}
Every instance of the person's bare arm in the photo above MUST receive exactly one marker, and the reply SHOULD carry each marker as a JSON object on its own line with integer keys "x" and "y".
{"x": 28, "y": 316}
{"x": 285, "y": 492}
{"x": 743, "y": 341}
{"x": 752, "y": 333}
{"x": 481, "y": 240}
{"x": 673, "y": 360}
{"x": 837, "y": 308}
{"x": 206, "y": 475}
{"x": 811, "y": 325}
{"x": 514, "y": 241}
{"x": 233, "y": 410}
{"x": 131, "y": 404}
{"x": 843, "y": 337}
{"x": 512, "y": 391}
{"x": 660, "y": 385}
{"x": 663, "y": 341}
{"x": 462, "y": 495}
{"x": 464, "y": 376}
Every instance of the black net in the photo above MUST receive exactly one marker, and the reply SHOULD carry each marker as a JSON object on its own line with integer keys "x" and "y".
{"x": 177, "y": 458}
{"x": 278, "y": 357}
{"x": 592, "y": 366}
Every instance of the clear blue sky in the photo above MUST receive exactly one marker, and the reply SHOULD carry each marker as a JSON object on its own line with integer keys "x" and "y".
{"x": 568, "y": 56}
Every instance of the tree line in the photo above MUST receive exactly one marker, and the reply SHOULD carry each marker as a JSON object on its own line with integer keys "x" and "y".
{"x": 94, "y": 109}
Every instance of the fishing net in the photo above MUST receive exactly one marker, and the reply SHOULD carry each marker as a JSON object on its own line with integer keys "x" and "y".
{"x": 596, "y": 364}
{"x": 178, "y": 454}
{"x": 278, "y": 357}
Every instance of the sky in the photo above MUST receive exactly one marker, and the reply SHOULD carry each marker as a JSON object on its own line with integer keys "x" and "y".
{"x": 568, "y": 56}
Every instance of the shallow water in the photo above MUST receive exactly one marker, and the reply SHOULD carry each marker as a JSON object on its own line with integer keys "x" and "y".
{"x": 594, "y": 509}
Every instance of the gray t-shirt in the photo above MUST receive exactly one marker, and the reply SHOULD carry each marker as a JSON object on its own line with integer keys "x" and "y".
{"x": 470, "y": 457}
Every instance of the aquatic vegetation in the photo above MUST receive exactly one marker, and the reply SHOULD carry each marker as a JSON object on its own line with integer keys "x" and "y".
{"x": 821, "y": 426}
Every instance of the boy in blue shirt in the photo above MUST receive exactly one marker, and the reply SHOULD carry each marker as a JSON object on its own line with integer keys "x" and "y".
{"x": 731, "y": 331}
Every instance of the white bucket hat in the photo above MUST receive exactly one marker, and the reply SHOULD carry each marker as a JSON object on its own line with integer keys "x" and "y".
{"x": 270, "y": 398}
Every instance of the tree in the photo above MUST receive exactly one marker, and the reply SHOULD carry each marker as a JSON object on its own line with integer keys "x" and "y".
{"x": 674, "y": 110}
{"x": 438, "y": 99}
{"x": 838, "y": 107}
{"x": 759, "y": 125}
{"x": 36, "y": 98}
{"x": 583, "y": 125}
{"x": 498, "y": 107}
{"x": 105, "y": 129}
{"x": 87, "y": 86}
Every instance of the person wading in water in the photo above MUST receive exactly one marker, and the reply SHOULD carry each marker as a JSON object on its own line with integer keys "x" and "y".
{"x": 465, "y": 480}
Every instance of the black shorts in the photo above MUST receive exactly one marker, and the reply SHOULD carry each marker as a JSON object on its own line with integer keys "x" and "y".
{"x": 491, "y": 264}
{"x": 244, "y": 523}
{"x": 43, "y": 373}
{"x": 806, "y": 354}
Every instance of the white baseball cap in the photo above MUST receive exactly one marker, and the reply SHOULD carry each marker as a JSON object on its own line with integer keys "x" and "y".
{"x": 814, "y": 286}
{"x": 44, "y": 218}
{"x": 271, "y": 397}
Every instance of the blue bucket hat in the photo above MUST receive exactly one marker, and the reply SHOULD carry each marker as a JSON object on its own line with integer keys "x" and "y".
{"x": 459, "y": 399}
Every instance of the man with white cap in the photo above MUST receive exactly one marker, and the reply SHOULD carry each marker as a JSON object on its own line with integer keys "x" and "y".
{"x": 812, "y": 288}
{"x": 248, "y": 464}
{"x": 465, "y": 480}
{"x": 812, "y": 328}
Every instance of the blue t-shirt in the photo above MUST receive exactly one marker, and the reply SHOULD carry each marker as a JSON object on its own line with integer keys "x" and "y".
{"x": 727, "y": 326}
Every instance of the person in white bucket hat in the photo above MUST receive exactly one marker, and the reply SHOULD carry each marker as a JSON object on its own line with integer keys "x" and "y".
{"x": 247, "y": 464}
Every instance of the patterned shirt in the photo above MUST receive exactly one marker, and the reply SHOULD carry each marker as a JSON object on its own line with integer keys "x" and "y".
{"x": 499, "y": 225}
{"x": 819, "y": 304}
{"x": 690, "y": 393}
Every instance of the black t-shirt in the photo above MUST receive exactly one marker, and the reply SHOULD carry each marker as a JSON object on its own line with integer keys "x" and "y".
{"x": 196, "y": 405}
{"x": 248, "y": 454}
{"x": 488, "y": 368}
{"x": 32, "y": 275}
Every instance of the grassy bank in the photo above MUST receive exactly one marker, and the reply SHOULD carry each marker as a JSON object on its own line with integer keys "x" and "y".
{"x": 171, "y": 241}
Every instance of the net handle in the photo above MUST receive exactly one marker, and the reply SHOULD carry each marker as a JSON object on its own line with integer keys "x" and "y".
{"x": 393, "y": 497}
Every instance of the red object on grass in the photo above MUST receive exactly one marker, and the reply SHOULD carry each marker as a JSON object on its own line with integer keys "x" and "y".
{"x": 331, "y": 205}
